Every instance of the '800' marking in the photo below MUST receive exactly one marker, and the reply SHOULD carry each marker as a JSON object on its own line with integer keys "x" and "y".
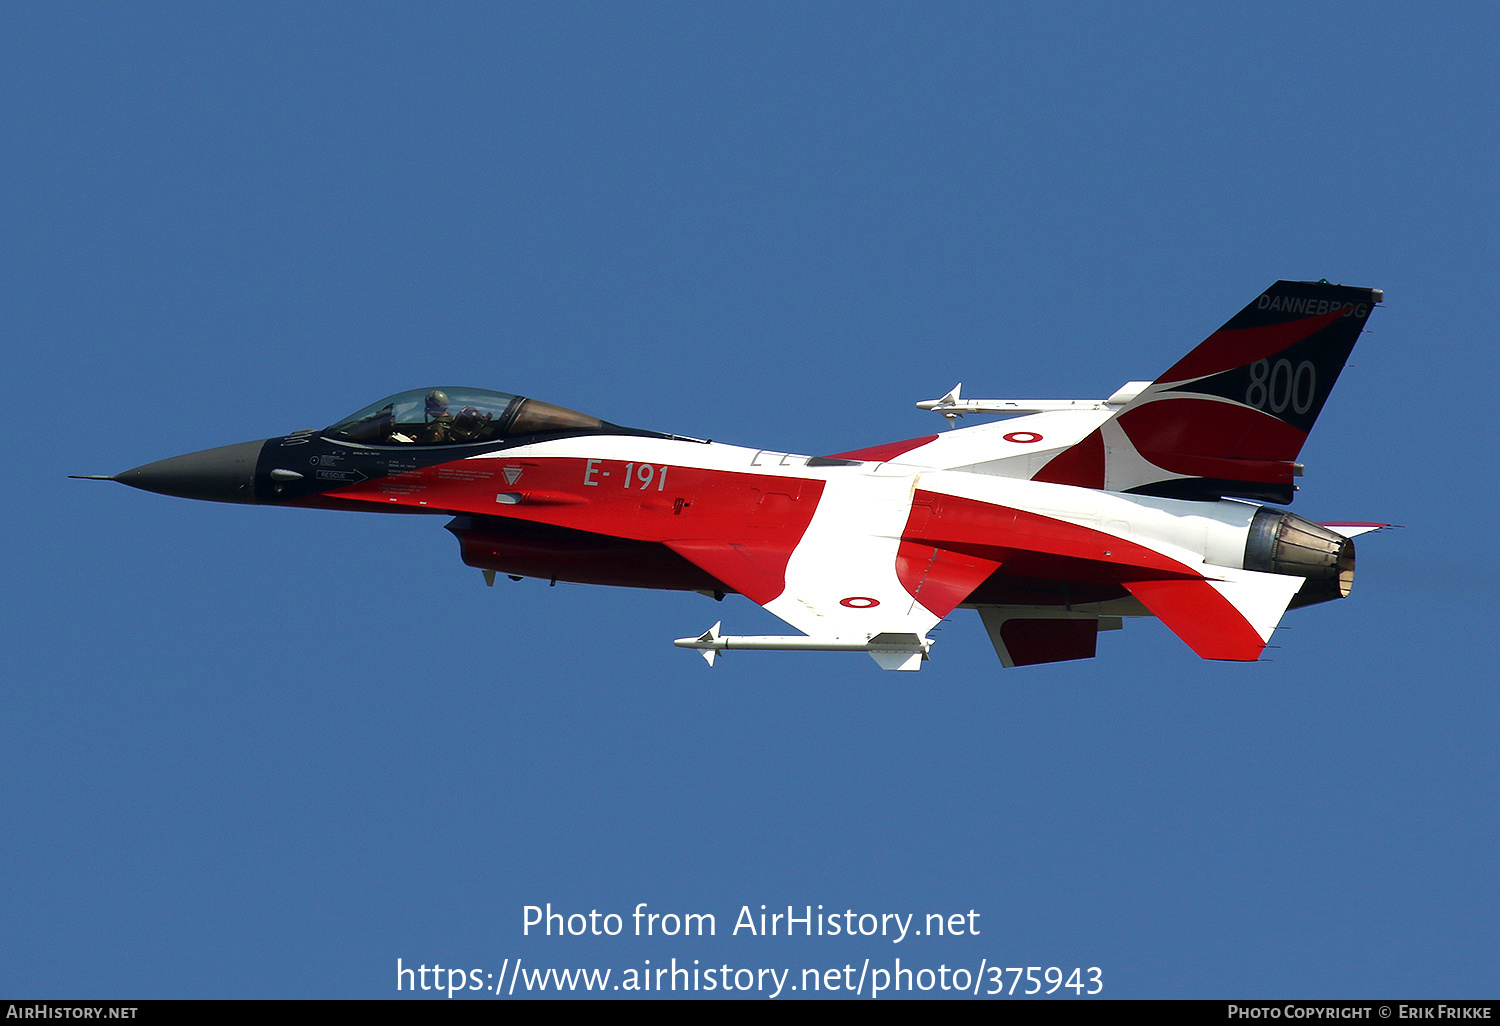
{"x": 1278, "y": 386}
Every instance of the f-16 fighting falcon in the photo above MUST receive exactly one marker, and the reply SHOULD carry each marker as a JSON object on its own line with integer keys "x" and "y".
{"x": 1055, "y": 524}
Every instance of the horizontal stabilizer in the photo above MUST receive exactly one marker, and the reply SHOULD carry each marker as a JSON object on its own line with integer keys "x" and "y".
{"x": 1353, "y": 528}
{"x": 1228, "y": 619}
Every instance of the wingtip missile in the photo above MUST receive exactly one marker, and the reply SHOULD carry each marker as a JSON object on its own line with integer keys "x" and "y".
{"x": 893, "y": 651}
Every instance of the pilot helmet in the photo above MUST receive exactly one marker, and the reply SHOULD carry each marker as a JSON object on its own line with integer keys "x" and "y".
{"x": 437, "y": 403}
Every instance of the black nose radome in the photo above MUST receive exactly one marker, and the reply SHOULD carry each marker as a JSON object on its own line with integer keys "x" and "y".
{"x": 225, "y": 474}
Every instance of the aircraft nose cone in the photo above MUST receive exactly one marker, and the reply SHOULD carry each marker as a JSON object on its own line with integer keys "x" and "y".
{"x": 225, "y": 474}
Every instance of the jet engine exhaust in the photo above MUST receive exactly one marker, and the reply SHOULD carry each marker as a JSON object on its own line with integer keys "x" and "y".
{"x": 1284, "y": 543}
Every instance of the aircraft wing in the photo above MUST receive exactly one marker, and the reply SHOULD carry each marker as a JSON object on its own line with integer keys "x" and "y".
{"x": 851, "y": 578}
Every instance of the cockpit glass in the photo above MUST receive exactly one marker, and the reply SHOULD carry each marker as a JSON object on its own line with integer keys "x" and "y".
{"x": 454, "y": 416}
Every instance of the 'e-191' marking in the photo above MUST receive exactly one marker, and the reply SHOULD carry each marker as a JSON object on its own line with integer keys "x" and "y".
{"x": 644, "y": 474}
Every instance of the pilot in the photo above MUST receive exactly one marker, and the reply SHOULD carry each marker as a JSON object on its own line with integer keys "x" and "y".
{"x": 439, "y": 421}
{"x": 471, "y": 425}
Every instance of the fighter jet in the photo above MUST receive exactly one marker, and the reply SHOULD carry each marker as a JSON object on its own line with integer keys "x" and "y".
{"x": 1055, "y": 524}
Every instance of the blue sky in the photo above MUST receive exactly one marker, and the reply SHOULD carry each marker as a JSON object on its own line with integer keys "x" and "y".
{"x": 262, "y": 752}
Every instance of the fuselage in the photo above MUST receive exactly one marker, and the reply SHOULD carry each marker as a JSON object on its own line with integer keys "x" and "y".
{"x": 600, "y": 508}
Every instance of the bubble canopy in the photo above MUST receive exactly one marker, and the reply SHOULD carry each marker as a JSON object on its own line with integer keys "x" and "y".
{"x": 455, "y": 416}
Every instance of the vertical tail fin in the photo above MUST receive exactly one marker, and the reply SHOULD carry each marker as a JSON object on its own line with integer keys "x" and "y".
{"x": 1230, "y": 417}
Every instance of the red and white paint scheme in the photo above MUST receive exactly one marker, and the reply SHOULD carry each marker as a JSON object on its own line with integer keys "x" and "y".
{"x": 1055, "y": 524}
